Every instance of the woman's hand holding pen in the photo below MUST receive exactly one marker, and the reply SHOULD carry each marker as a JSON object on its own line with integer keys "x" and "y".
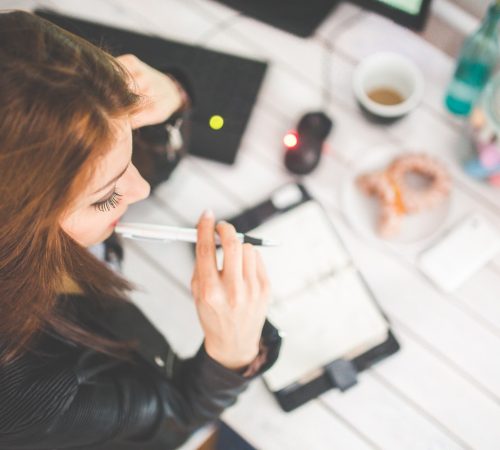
{"x": 231, "y": 303}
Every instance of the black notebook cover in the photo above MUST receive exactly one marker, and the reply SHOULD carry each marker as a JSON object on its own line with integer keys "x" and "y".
{"x": 340, "y": 374}
{"x": 221, "y": 84}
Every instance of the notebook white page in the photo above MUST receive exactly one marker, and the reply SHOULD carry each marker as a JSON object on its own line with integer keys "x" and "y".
{"x": 320, "y": 302}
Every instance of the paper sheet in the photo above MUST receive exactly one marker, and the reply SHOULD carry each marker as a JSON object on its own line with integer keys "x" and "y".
{"x": 320, "y": 302}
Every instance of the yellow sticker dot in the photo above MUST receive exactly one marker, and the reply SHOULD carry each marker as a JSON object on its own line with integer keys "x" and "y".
{"x": 216, "y": 122}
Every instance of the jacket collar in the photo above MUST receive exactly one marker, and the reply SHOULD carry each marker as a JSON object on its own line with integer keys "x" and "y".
{"x": 125, "y": 322}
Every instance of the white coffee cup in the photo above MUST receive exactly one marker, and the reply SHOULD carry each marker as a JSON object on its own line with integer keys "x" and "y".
{"x": 388, "y": 71}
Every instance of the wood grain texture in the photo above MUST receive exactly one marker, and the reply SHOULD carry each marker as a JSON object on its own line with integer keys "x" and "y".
{"x": 442, "y": 391}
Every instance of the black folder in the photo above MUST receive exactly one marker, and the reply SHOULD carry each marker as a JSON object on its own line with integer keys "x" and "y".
{"x": 222, "y": 84}
{"x": 340, "y": 373}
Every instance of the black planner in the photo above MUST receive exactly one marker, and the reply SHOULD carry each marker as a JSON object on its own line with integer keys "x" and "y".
{"x": 331, "y": 323}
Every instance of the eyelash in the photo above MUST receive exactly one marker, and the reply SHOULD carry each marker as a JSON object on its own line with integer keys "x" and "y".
{"x": 109, "y": 203}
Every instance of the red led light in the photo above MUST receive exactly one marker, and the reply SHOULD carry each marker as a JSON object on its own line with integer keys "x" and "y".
{"x": 291, "y": 139}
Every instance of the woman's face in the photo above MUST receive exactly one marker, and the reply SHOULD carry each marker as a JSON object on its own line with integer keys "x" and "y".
{"x": 116, "y": 184}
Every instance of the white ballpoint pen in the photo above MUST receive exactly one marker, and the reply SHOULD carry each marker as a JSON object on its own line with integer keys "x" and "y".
{"x": 165, "y": 233}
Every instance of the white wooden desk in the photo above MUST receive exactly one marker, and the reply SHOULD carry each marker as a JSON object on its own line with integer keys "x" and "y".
{"x": 442, "y": 390}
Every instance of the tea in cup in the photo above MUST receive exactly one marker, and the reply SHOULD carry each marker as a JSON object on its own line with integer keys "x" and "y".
{"x": 387, "y": 86}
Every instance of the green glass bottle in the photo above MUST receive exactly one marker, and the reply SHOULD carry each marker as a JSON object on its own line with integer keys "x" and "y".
{"x": 478, "y": 58}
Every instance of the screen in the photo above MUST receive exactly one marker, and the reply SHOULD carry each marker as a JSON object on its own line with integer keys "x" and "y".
{"x": 408, "y": 6}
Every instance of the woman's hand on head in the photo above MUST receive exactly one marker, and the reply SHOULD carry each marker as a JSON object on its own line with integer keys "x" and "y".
{"x": 161, "y": 94}
{"x": 232, "y": 303}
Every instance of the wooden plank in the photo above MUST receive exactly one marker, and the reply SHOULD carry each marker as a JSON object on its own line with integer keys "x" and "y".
{"x": 216, "y": 11}
{"x": 249, "y": 181}
{"x": 258, "y": 418}
{"x": 480, "y": 293}
{"x": 390, "y": 421}
{"x": 411, "y": 299}
{"x": 339, "y": 18}
{"x": 442, "y": 33}
{"x": 171, "y": 19}
{"x": 190, "y": 195}
{"x": 106, "y": 12}
{"x": 425, "y": 380}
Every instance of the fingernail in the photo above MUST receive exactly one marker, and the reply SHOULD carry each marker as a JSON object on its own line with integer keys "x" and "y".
{"x": 208, "y": 214}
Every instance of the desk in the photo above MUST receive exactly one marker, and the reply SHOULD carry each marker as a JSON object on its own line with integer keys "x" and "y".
{"x": 442, "y": 390}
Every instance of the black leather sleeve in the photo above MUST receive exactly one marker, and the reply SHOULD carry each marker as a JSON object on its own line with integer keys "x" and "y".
{"x": 129, "y": 404}
{"x": 110, "y": 404}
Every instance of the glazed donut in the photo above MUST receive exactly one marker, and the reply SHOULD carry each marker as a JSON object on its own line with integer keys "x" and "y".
{"x": 396, "y": 197}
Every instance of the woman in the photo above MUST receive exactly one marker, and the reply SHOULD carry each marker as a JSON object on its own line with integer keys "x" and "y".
{"x": 80, "y": 366}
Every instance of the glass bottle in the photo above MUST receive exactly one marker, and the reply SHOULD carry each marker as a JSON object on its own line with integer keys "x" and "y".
{"x": 477, "y": 59}
{"x": 484, "y": 125}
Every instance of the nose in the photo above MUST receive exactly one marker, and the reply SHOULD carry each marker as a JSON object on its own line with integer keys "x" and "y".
{"x": 137, "y": 187}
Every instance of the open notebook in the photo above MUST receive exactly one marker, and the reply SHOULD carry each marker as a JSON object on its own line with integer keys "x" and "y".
{"x": 320, "y": 302}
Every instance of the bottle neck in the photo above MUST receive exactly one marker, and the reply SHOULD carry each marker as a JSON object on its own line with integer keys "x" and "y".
{"x": 490, "y": 22}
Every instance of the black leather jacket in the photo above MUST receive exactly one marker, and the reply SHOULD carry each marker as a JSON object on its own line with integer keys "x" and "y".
{"x": 64, "y": 396}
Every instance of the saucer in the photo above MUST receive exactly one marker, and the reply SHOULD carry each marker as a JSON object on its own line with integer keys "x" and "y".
{"x": 362, "y": 211}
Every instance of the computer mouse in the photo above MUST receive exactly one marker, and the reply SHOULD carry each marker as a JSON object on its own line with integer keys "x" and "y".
{"x": 304, "y": 147}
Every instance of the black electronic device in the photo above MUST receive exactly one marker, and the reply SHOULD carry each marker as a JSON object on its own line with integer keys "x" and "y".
{"x": 302, "y": 17}
{"x": 304, "y": 146}
{"x": 224, "y": 86}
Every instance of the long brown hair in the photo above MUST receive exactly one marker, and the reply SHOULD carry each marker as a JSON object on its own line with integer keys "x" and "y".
{"x": 58, "y": 94}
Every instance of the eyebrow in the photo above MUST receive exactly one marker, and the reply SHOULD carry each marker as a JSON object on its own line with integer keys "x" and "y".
{"x": 112, "y": 181}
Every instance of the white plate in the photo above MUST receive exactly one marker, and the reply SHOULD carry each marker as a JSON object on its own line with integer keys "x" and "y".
{"x": 362, "y": 211}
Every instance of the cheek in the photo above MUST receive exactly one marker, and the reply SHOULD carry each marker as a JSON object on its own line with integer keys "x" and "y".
{"x": 87, "y": 227}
